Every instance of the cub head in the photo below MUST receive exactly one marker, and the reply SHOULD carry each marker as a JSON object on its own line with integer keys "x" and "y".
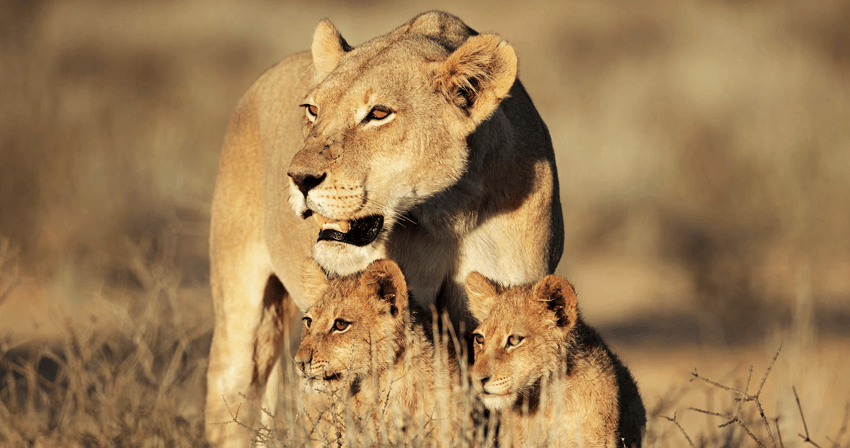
{"x": 354, "y": 325}
{"x": 522, "y": 332}
{"x": 386, "y": 127}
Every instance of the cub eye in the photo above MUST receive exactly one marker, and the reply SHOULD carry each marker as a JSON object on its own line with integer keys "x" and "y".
{"x": 341, "y": 325}
{"x": 312, "y": 110}
{"x": 515, "y": 340}
{"x": 307, "y": 321}
{"x": 378, "y": 113}
{"x": 479, "y": 339}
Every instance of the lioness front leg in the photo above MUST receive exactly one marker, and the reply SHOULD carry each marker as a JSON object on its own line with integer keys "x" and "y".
{"x": 252, "y": 311}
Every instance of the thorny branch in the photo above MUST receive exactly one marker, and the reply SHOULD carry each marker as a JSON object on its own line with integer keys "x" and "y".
{"x": 805, "y": 438}
{"x": 741, "y": 398}
{"x": 778, "y": 434}
{"x": 680, "y": 428}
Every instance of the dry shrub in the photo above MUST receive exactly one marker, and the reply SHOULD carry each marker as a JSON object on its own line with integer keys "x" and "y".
{"x": 136, "y": 384}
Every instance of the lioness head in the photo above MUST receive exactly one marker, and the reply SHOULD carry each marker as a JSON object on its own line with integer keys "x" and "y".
{"x": 386, "y": 127}
{"x": 522, "y": 332}
{"x": 354, "y": 325}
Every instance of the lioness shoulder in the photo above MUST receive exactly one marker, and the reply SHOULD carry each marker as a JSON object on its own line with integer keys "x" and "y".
{"x": 552, "y": 377}
{"x": 367, "y": 351}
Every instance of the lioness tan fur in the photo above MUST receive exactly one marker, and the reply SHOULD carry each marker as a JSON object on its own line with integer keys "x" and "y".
{"x": 369, "y": 352}
{"x": 420, "y": 145}
{"x": 550, "y": 375}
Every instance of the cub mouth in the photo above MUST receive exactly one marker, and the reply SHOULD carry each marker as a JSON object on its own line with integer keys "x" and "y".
{"x": 329, "y": 377}
{"x": 332, "y": 377}
{"x": 322, "y": 383}
{"x": 358, "y": 232}
{"x": 495, "y": 394}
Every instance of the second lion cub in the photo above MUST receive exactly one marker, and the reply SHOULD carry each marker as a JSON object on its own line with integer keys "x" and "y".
{"x": 369, "y": 365}
{"x": 552, "y": 377}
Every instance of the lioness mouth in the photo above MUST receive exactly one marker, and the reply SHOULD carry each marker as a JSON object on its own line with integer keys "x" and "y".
{"x": 359, "y": 232}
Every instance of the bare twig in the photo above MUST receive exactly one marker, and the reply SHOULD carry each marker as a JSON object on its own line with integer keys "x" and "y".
{"x": 680, "y": 428}
{"x": 843, "y": 429}
{"x": 758, "y": 394}
{"x": 697, "y": 376}
{"x": 750, "y": 433}
{"x": 766, "y": 373}
{"x": 712, "y": 413}
{"x": 743, "y": 396}
{"x": 778, "y": 434}
{"x": 805, "y": 438}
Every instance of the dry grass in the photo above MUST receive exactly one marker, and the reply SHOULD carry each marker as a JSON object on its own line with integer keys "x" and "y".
{"x": 704, "y": 162}
{"x": 134, "y": 383}
{"x": 141, "y": 384}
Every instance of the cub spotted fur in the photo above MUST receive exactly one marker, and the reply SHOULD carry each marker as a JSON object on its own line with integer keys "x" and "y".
{"x": 550, "y": 375}
{"x": 420, "y": 146}
{"x": 368, "y": 351}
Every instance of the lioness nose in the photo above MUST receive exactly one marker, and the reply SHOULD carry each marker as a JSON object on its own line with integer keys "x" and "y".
{"x": 484, "y": 381}
{"x": 306, "y": 182}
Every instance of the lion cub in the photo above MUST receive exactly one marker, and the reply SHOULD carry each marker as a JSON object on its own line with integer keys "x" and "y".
{"x": 368, "y": 364}
{"x": 552, "y": 377}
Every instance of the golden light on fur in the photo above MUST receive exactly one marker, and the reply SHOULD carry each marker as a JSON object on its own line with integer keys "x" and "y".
{"x": 551, "y": 377}
{"x": 314, "y": 281}
{"x": 481, "y": 293}
{"x": 478, "y": 75}
{"x": 420, "y": 146}
{"x": 367, "y": 351}
{"x": 328, "y": 48}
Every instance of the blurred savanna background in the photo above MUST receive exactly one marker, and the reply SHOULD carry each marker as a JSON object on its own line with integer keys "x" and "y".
{"x": 704, "y": 161}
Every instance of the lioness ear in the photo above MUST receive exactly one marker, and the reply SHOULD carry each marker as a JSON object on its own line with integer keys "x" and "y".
{"x": 328, "y": 48}
{"x": 478, "y": 75}
{"x": 384, "y": 279}
{"x": 315, "y": 283}
{"x": 482, "y": 293}
{"x": 560, "y": 298}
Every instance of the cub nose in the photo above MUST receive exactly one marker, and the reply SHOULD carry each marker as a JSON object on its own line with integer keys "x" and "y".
{"x": 306, "y": 181}
{"x": 484, "y": 380}
{"x": 301, "y": 360}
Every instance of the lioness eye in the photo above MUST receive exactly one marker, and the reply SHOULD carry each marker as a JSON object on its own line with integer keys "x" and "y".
{"x": 341, "y": 325}
{"x": 514, "y": 340}
{"x": 312, "y": 110}
{"x": 479, "y": 339}
{"x": 307, "y": 321}
{"x": 378, "y": 113}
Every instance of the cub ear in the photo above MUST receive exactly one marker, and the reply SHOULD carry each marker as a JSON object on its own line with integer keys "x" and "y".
{"x": 328, "y": 48}
{"x": 478, "y": 75}
{"x": 481, "y": 293}
{"x": 560, "y": 298}
{"x": 315, "y": 283}
{"x": 384, "y": 279}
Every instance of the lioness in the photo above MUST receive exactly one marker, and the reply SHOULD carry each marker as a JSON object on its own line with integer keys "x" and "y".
{"x": 420, "y": 146}
{"x": 371, "y": 353}
{"x": 552, "y": 377}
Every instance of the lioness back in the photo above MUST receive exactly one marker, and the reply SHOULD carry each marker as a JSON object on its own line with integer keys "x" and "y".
{"x": 367, "y": 357}
{"x": 550, "y": 375}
